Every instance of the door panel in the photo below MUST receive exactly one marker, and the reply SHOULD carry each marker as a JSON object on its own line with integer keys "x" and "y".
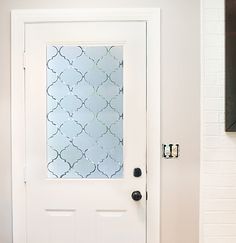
{"x": 61, "y": 226}
{"x": 79, "y": 186}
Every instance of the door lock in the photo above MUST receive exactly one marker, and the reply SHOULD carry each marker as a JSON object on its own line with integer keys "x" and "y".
{"x": 137, "y": 172}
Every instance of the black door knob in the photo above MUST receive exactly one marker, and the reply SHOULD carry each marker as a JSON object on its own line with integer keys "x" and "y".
{"x": 136, "y": 195}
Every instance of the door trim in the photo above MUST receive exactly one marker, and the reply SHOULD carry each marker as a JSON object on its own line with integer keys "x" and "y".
{"x": 19, "y": 18}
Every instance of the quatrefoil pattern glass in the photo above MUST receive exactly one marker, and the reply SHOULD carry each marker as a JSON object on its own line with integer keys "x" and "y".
{"x": 84, "y": 111}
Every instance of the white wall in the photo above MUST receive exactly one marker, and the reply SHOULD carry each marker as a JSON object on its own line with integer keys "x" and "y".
{"x": 180, "y": 78}
{"x": 218, "y": 148}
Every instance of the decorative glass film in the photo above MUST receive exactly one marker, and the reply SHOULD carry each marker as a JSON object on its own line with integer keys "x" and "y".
{"x": 85, "y": 111}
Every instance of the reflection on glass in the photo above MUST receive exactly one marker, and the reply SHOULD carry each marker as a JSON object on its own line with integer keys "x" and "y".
{"x": 85, "y": 111}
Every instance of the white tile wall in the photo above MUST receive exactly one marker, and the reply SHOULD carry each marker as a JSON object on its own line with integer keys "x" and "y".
{"x": 218, "y": 149}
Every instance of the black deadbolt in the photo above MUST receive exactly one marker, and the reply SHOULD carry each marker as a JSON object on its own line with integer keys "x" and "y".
{"x": 137, "y": 172}
{"x": 136, "y": 195}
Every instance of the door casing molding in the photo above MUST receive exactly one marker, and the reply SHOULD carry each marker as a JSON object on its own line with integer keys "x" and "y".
{"x": 19, "y": 18}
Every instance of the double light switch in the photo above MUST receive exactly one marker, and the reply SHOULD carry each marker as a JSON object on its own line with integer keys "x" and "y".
{"x": 170, "y": 151}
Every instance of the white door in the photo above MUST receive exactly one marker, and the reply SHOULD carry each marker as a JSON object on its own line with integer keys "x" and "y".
{"x": 85, "y": 99}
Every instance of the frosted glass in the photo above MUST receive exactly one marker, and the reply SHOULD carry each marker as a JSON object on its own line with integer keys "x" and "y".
{"x": 85, "y": 111}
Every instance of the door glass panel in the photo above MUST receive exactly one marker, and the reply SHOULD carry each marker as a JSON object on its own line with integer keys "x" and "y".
{"x": 84, "y": 111}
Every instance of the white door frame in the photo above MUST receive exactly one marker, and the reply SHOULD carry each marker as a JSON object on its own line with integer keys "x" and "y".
{"x": 22, "y": 17}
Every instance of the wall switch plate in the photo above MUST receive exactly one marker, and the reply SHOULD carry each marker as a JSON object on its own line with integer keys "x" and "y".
{"x": 170, "y": 151}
